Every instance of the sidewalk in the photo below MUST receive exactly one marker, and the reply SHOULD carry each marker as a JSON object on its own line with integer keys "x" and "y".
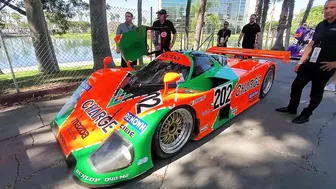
{"x": 260, "y": 149}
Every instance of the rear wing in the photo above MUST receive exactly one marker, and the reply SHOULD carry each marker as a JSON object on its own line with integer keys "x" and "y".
{"x": 281, "y": 55}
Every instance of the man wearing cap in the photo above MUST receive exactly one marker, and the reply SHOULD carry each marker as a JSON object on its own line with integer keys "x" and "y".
{"x": 166, "y": 29}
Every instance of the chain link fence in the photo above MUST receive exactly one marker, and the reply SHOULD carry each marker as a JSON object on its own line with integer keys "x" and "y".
{"x": 29, "y": 64}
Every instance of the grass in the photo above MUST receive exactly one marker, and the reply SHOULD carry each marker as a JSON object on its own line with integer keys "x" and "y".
{"x": 31, "y": 80}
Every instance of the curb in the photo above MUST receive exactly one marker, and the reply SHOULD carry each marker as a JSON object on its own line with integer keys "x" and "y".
{"x": 9, "y": 100}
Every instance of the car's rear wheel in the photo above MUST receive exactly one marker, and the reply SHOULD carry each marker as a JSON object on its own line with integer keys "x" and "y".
{"x": 267, "y": 83}
{"x": 173, "y": 132}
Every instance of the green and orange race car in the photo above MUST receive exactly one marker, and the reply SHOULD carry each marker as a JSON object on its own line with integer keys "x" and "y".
{"x": 119, "y": 118}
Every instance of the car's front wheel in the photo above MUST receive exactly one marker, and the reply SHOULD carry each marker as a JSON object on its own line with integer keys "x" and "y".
{"x": 173, "y": 132}
{"x": 267, "y": 83}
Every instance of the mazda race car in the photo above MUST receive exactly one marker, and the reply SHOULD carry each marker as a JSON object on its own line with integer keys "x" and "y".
{"x": 119, "y": 118}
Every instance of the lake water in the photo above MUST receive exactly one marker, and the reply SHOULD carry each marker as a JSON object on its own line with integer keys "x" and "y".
{"x": 22, "y": 54}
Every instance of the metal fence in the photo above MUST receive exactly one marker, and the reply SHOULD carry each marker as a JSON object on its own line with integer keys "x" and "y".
{"x": 29, "y": 65}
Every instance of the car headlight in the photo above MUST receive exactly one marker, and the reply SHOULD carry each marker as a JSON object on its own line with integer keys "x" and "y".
{"x": 114, "y": 154}
{"x": 74, "y": 98}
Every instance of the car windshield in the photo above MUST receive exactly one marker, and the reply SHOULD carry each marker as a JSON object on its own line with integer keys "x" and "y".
{"x": 154, "y": 72}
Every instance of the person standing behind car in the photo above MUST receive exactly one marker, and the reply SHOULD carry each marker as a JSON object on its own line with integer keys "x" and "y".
{"x": 123, "y": 28}
{"x": 223, "y": 35}
{"x": 166, "y": 29}
{"x": 251, "y": 33}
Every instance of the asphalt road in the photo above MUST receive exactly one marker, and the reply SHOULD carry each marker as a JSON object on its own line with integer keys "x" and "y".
{"x": 259, "y": 149}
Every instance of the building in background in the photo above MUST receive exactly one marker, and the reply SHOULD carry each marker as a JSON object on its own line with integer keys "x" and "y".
{"x": 236, "y": 12}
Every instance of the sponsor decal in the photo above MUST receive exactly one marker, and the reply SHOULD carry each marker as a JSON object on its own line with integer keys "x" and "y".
{"x": 197, "y": 100}
{"x": 100, "y": 117}
{"x": 142, "y": 161}
{"x": 80, "y": 128}
{"x": 136, "y": 122}
{"x": 116, "y": 178}
{"x": 73, "y": 136}
{"x": 128, "y": 131}
{"x": 247, "y": 86}
{"x": 85, "y": 86}
{"x": 234, "y": 110}
{"x": 206, "y": 112}
{"x": 253, "y": 96}
{"x": 119, "y": 97}
{"x": 150, "y": 101}
{"x": 63, "y": 142}
{"x": 87, "y": 178}
{"x": 171, "y": 56}
{"x": 222, "y": 96}
{"x": 204, "y": 128}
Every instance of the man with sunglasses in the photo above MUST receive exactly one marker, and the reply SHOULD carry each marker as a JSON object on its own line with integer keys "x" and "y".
{"x": 123, "y": 28}
{"x": 223, "y": 35}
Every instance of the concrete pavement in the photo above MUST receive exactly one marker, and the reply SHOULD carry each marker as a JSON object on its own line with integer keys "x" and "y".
{"x": 260, "y": 149}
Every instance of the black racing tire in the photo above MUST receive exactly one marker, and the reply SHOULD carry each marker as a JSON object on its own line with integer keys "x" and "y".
{"x": 157, "y": 143}
{"x": 267, "y": 85}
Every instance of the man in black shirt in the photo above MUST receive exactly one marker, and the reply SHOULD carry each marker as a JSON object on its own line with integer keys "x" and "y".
{"x": 251, "y": 33}
{"x": 318, "y": 64}
{"x": 166, "y": 29}
{"x": 223, "y": 35}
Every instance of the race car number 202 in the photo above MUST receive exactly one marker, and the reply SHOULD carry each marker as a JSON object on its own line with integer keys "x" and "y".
{"x": 222, "y": 96}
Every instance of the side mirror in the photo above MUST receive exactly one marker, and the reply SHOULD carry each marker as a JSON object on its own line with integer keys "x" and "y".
{"x": 106, "y": 61}
{"x": 170, "y": 77}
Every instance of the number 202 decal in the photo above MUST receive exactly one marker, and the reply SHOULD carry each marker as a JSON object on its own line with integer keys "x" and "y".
{"x": 150, "y": 101}
{"x": 222, "y": 96}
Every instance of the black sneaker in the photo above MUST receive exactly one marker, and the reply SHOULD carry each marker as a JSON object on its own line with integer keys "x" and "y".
{"x": 286, "y": 110}
{"x": 301, "y": 119}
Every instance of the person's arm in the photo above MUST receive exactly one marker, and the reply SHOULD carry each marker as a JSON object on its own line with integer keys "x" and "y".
{"x": 306, "y": 52}
{"x": 117, "y": 33}
{"x": 227, "y": 37}
{"x": 218, "y": 38}
{"x": 174, "y": 36}
{"x": 241, "y": 35}
{"x": 258, "y": 36}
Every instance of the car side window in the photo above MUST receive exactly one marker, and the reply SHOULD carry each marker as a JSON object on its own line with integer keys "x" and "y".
{"x": 202, "y": 63}
{"x": 221, "y": 59}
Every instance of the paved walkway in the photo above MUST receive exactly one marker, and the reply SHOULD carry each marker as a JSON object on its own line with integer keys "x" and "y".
{"x": 260, "y": 149}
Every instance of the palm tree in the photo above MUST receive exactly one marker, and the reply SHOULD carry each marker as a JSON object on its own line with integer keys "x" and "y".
{"x": 289, "y": 21}
{"x": 200, "y": 22}
{"x": 258, "y": 10}
{"x": 278, "y": 45}
{"x": 100, "y": 43}
{"x": 272, "y": 17}
{"x": 263, "y": 20}
{"x": 306, "y": 14}
{"x": 187, "y": 23}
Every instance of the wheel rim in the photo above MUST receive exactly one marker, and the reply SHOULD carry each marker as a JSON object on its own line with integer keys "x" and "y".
{"x": 175, "y": 130}
{"x": 268, "y": 82}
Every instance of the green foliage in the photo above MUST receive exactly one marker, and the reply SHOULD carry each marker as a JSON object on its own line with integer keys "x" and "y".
{"x": 194, "y": 10}
{"x": 315, "y": 16}
{"x": 79, "y": 26}
{"x": 2, "y": 25}
{"x": 274, "y": 25}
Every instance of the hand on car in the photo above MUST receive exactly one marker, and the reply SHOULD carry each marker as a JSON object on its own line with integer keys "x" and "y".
{"x": 328, "y": 66}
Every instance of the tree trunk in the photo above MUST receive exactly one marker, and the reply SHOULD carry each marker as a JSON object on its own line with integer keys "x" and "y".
{"x": 278, "y": 45}
{"x": 263, "y": 22}
{"x": 44, "y": 50}
{"x": 99, "y": 34}
{"x": 199, "y": 25}
{"x": 140, "y": 23}
{"x": 270, "y": 25}
{"x": 187, "y": 24}
{"x": 306, "y": 14}
{"x": 258, "y": 10}
{"x": 289, "y": 21}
